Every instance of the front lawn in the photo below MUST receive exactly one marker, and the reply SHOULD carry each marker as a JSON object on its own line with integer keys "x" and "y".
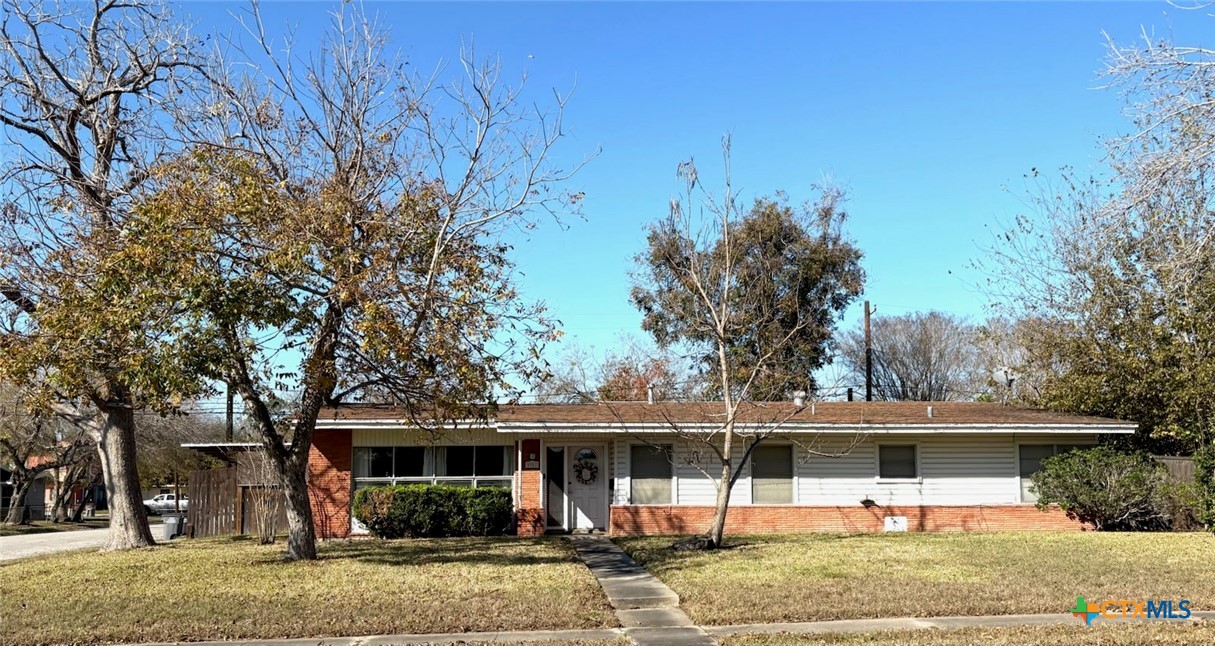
{"x": 762, "y": 579}
{"x": 1193, "y": 633}
{"x": 46, "y": 526}
{"x": 233, "y": 589}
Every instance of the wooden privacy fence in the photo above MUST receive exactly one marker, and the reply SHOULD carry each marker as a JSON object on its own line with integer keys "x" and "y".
{"x": 269, "y": 500}
{"x": 1181, "y": 469}
{"x": 212, "y": 509}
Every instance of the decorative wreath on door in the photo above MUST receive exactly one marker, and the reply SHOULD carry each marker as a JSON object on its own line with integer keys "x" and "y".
{"x": 585, "y": 472}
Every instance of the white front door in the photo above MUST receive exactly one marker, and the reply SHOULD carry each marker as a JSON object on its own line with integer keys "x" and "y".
{"x": 587, "y": 486}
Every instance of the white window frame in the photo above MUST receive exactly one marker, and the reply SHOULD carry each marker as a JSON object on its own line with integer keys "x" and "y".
{"x": 877, "y": 463}
{"x": 429, "y": 462}
{"x": 674, "y": 476}
{"x": 792, "y": 475}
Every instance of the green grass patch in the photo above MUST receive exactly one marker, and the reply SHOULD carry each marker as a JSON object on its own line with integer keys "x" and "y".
{"x": 234, "y": 589}
{"x": 763, "y": 579}
{"x": 1191, "y": 633}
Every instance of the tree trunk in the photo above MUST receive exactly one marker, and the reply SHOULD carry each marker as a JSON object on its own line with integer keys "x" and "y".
{"x": 301, "y": 535}
{"x": 62, "y": 489}
{"x": 63, "y": 493}
{"x": 87, "y": 495}
{"x": 116, "y": 450}
{"x": 718, "y": 529}
{"x": 57, "y": 511}
{"x": 16, "y": 508}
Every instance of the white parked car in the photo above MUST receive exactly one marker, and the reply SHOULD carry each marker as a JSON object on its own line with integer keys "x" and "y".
{"x": 164, "y": 503}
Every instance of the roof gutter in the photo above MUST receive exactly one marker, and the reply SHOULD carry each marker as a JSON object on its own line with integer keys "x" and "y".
{"x": 791, "y": 427}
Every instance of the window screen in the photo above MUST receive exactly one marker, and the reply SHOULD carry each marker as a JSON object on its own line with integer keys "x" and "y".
{"x": 650, "y": 478}
{"x": 896, "y": 461}
{"x": 772, "y": 475}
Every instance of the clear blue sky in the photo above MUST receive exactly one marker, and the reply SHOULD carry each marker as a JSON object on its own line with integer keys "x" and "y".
{"x": 929, "y": 113}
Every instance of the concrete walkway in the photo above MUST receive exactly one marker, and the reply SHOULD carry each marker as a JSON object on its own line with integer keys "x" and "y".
{"x": 27, "y": 545}
{"x": 646, "y": 607}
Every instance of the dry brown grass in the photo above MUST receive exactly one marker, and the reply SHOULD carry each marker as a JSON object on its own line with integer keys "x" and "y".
{"x": 1192, "y": 633}
{"x": 46, "y": 527}
{"x": 233, "y": 589}
{"x": 820, "y": 577}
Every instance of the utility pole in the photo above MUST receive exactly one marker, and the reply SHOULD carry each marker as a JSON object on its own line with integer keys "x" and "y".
{"x": 868, "y": 357}
{"x": 228, "y": 427}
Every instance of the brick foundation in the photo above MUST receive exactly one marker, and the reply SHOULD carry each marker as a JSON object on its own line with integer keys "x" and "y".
{"x": 329, "y": 484}
{"x": 768, "y": 519}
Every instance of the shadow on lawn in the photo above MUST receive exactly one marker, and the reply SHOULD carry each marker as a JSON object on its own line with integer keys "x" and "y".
{"x": 438, "y": 551}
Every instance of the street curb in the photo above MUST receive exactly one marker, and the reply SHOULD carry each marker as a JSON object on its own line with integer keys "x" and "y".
{"x": 806, "y": 627}
{"x": 914, "y": 623}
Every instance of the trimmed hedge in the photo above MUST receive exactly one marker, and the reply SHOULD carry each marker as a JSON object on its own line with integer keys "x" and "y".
{"x": 424, "y": 511}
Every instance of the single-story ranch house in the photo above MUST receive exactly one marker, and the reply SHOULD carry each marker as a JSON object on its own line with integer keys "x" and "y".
{"x": 623, "y": 468}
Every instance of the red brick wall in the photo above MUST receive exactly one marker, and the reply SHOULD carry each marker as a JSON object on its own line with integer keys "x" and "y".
{"x": 529, "y": 506}
{"x": 631, "y": 520}
{"x": 329, "y": 484}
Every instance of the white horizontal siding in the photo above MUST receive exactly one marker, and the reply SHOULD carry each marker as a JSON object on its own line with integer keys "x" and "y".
{"x": 955, "y": 469}
{"x": 692, "y": 461}
{"x": 620, "y": 492}
{"x": 417, "y": 437}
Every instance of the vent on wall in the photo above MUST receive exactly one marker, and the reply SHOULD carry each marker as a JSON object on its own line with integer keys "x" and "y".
{"x": 895, "y": 523}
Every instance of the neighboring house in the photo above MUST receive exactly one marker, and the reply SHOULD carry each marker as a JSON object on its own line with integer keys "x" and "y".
{"x": 919, "y": 466}
{"x": 6, "y": 490}
{"x": 36, "y": 505}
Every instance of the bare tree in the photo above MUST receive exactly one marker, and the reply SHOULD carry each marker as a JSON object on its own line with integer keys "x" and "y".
{"x": 632, "y": 372}
{"x": 161, "y": 455}
{"x": 922, "y": 356}
{"x": 75, "y": 472}
{"x": 83, "y": 88}
{"x": 338, "y": 231}
{"x": 265, "y": 494}
{"x": 755, "y": 297}
{"x": 1114, "y": 273}
{"x": 571, "y": 378}
{"x": 34, "y": 442}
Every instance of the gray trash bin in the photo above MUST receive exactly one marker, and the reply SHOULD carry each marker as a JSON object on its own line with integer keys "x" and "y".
{"x": 174, "y": 524}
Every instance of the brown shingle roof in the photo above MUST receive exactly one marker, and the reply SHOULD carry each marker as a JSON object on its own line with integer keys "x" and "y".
{"x": 896, "y": 413}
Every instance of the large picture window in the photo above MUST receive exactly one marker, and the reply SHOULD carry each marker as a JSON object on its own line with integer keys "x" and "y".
{"x": 772, "y": 475}
{"x": 650, "y": 476}
{"x": 897, "y": 462}
{"x": 475, "y": 466}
